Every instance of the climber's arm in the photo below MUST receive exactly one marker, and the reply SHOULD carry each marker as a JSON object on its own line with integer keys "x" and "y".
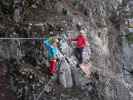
{"x": 74, "y": 39}
{"x": 47, "y": 44}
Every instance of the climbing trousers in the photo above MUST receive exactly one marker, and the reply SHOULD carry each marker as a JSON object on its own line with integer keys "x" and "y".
{"x": 53, "y": 65}
{"x": 78, "y": 54}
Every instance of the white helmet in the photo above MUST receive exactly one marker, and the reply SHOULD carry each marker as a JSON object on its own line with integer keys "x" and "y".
{"x": 82, "y": 31}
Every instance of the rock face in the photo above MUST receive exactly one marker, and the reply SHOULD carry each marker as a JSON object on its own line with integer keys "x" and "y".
{"x": 109, "y": 55}
{"x": 5, "y": 91}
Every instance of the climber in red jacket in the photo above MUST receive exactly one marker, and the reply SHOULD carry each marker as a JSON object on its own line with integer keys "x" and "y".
{"x": 81, "y": 42}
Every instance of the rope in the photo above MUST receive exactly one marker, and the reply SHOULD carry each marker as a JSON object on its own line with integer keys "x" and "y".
{"x": 22, "y": 38}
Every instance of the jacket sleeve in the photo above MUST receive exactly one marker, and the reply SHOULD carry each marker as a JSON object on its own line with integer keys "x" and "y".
{"x": 47, "y": 44}
{"x": 74, "y": 39}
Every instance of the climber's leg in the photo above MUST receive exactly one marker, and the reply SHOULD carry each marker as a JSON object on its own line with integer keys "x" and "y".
{"x": 77, "y": 53}
{"x": 80, "y": 55}
{"x": 53, "y": 65}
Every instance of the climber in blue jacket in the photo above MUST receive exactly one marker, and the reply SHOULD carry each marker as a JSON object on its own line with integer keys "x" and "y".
{"x": 52, "y": 54}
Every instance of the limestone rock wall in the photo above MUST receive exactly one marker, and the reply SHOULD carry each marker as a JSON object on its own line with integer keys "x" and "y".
{"x": 101, "y": 19}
